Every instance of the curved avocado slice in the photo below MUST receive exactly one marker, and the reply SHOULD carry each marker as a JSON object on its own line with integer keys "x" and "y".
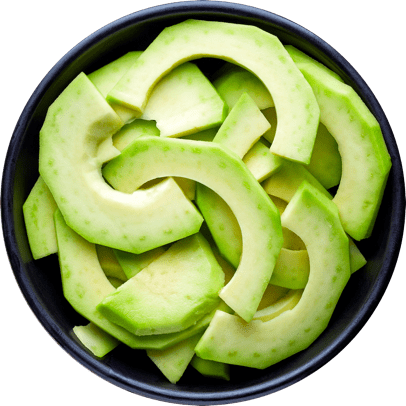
{"x": 211, "y": 369}
{"x": 248, "y": 46}
{"x": 258, "y": 344}
{"x": 365, "y": 158}
{"x": 75, "y": 140}
{"x": 258, "y": 217}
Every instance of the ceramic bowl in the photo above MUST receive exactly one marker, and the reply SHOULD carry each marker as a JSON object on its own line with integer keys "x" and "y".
{"x": 41, "y": 287}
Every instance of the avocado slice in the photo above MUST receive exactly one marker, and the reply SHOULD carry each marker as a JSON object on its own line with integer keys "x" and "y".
{"x": 95, "y": 339}
{"x": 261, "y": 162}
{"x": 211, "y": 369}
{"x": 85, "y": 290}
{"x": 156, "y": 157}
{"x": 132, "y": 264}
{"x": 248, "y": 46}
{"x": 231, "y": 81}
{"x": 184, "y": 102}
{"x": 108, "y": 262}
{"x": 75, "y": 141}
{"x": 38, "y": 212}
{"x": 173, "y": 361}
{"x": 243, "y": 126}
{"x": 314, "y": 217}
{"x": 171, "y": 293}
{"x": 365, "y": 159}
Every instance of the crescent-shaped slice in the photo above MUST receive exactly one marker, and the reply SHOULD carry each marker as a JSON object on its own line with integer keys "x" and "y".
{"x": 314, "y": 217}
{"x": 75, "y": 140}
{"x": 365, "y": 158}
{"x": 221, "y": 170}
{"x": 250, "y": 47}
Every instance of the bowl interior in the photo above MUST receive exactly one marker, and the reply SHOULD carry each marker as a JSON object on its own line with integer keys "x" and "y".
{"x": 41, "y": 285}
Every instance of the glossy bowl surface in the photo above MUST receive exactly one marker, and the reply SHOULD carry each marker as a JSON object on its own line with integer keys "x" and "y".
{"x": 42, "y": 288}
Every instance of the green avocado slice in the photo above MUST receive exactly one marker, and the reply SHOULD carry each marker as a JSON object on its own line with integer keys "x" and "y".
{"x": 211, "y": 369}
{"x": 38, "y": 212}
{"x": 365, "y": 159}
{"x": 171, "y": 293}
{"x": 258, "y": 217}
{"x": 314, "y": 217}
{"x": 248, "y": 46}
{"x": 95, "y": 339}
{"x": 75, "y": 140}
{"x": 85, "y": 285}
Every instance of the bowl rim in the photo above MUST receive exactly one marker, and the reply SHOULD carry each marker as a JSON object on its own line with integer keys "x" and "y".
{"x": 160, "y": 393}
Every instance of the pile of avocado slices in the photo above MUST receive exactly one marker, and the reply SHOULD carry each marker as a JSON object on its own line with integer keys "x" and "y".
{"x": 209, "y": 221}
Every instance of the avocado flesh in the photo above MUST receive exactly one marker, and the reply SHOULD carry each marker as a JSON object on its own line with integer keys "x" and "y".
{"x": 258, "y": 217}
{"x": 132, "y": 264}
{"x": 258, "y": 344}
{"x": 38, "y": 212}
{"x": 75, "y": 140}
{"x": 85, "y": 290}
{"x": 173, "y": 361}
{"x": 243, "y": 126}
{"x": 325, "y": 163}
{"x": 184, "y": 102}
{"x": 250, "y": 47}
{"x": 232, "y": 81}
{"x": 95, "y": 339}
{"x": 261, "y": 162}
{"x": 106, "y": 77}
{"x": 211, "y": 369}
{"x": 108, "y": 262}
{"x": 171, "y": 293}
{"x": 287, "y": 302}
{"x": 365, "y": 160}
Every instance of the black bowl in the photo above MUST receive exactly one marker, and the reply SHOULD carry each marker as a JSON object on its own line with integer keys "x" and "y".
{"x": 42, "y": 289}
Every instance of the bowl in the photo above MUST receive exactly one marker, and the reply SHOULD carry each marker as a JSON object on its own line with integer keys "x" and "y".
{"x": 42, "y": 289}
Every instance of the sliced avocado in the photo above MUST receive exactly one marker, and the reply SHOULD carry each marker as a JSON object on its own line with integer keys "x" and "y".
{"x": 250, "y": 47}
{"x": 171, "y": 293}
{"x": 314, "y": 217}
{"x": 243, "y": 126}
{"x": 75, "y": 141}
{"x": 108, "y": 75}
{"x": 38, "y": 212}
{"x": 184, "y": 102}
{"x": 85, "y": 290}
{"x": 132, "y": 264}
{"x": 131, "y": 131}
{"x": 211, "y": 369}
{"x": 156, "y": 157}
{"x": 287, "y": 302}
{"x": 95, "y": 339}
{"x": 173, "y": 361}
{"x": 115, "y": 281}
{"x": 109, "y": 263}
{"x": 271, "y": 295}
{"x": 261, "y": 162}
{"x": 232, "y": 81}
{"x": 365, "y": 159}
{"x": 325, "y": 163}
{"x": 205, "y": 135}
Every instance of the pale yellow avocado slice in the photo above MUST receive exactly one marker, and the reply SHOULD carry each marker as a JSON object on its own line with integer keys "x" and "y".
{"x": 173, "y": 361}
{"x": 171, "y": 293}
{"x": 221, "y": 170}
{"x": 95, "y": 339}
{"x": 365, "y": 159}
{"x": 258, "y": 344}
{"x": 248, "y": 46}
{"x": 38, "y": 212}
{"x": 75, "y": 140}
{"x": 108, "y": 262}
